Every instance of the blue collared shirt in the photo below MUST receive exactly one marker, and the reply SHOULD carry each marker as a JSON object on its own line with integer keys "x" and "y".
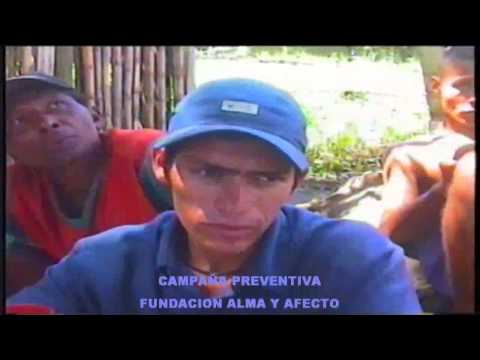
{"x": 117, "y": 271}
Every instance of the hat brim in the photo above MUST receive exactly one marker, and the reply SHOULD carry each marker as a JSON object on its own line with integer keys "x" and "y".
{"x": 295, "y": 156}
{"x": 25, "y": 80}
{"x": 17, "y": 85}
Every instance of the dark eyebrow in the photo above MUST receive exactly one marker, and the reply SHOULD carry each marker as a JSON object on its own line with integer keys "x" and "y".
{"x": 20, "y": 104}
{"x": 216, "y": 167}
{"x": 464, "y": 80}
{"x": 198, "y": 162}
{"x": 274, "y": 173}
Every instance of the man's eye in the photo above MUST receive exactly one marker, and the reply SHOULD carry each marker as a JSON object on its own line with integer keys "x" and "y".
{"x": 451, "y": 91}
{"x": 21, "y": 119}
{"x": 210, "y": 173}
{"x": 267, "y": 179}
{"x": 58, "y": 104}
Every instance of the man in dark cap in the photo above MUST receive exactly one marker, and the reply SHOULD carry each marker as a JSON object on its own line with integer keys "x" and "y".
{"x": 70, "y": 178}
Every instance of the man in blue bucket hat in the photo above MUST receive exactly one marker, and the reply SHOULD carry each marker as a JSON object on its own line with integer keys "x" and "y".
{"x": 234, "y": 154}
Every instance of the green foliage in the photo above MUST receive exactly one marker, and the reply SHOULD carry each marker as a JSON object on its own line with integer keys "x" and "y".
{"x": 309, "y": 117}
{"x": 342, "y": 156}
{"x": 355, "y": 96}
{"x": 396, "y": 54}
{"x": 346, "y": 154}
{"x": 391, "y": 136}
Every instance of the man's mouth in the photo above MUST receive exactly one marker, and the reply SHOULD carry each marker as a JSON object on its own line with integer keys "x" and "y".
{"x": 60, "y": 141}
{"x": 465, "y": 108}
{"x": 228, "y": 230}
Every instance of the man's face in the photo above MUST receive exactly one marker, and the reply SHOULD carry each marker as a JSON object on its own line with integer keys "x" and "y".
{"x": 228, "y": 192}
{"x": 49, "y": 129}
{"x": 457, "y": 96}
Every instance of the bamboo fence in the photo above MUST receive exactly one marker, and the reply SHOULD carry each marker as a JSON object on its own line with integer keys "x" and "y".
{"x": 131, "y": 86}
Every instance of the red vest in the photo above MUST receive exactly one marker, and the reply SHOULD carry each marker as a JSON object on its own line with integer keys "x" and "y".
{"x": 120, "y": 199}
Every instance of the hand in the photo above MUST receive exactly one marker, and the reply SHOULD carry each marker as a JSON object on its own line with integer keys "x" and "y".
{"x": 447, "y": 169}
{"x": 29, "y": 309}
{"x": 440, "y": 189}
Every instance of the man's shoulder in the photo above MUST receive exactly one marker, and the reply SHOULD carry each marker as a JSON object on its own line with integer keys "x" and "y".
{"x": 144, "y": 136}
{"x": 131, "y": 146}
{"x": 429, "y": 143}
{"x": 19, "y": 173}
{"x": 338, "y": 239}
{"x": 23, "y": 183}
{"x": 124, "y": 240}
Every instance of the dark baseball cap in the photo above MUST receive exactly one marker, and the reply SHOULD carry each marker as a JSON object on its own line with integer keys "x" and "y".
{"x": 24, "y": 83}
{"x": 242, "y": 106}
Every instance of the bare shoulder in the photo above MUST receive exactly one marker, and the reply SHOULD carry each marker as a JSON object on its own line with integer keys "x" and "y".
{"x": 408, "y": 157}
{"x": 465, "y": 168}
{"x": 423, "y": 155}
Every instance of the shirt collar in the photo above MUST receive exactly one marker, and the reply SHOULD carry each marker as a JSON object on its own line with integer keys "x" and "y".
{"x": 173, "y": 246}
{"x": 172, "y": 249}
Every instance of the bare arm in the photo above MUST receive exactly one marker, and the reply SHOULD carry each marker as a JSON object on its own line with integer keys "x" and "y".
{"x": 408, "y": 216}
{"x": 25, "y": 265}
{"x": 458, "y": 233}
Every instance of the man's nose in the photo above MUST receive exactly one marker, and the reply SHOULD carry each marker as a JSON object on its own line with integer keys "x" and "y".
{"x": 232, "y": 198}
{"x": 47, "y": 122}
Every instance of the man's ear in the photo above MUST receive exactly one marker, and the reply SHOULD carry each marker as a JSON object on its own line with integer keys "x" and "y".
{"x": 98, "y": 120}
{"x": 299, "y": 181}
{"x": 435, "y": 84}
{"x": 159, "y": 167}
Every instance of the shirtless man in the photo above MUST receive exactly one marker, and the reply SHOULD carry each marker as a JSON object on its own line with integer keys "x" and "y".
{"x": 421, "y": 177}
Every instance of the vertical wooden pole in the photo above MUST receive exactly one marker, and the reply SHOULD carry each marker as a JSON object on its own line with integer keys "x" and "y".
{"x": 51, "y": 60}
{"x": 148, "y": 85}
{"x": 10, "y": 61}
{"x": 79, "y": 81}
{"x": 178, "y": 73}
{"x": 27, "y": 61}
{"x": 137, "y": 86}
{"x": 117, "y": 86}
{"x": 107, "y": 84}
{"x": 88, "y": 74}
{"x": 160, "y": 89}
{"x": 98, "y": 79}
{"x": 127, "y": 87}
{"x": 64, "y": 63}
{"x": 41, "y": 59}
{"x": 169, "y": 82}
{"x": 189, "y": 69}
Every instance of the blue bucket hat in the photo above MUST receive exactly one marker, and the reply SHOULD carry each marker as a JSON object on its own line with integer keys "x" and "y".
{"x": 242, "y": 106}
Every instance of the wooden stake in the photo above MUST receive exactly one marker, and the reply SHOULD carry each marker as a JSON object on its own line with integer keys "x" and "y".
{"x": 51, "y": 60}
{"x": 160, "y": 89}
{"x": 107, "y": 84}
{"x": 88, "y": 74}
{"x": 178, "y": 73}
{"x": 169, "y": 82}
{"x": 127, "y": 87}
{"x": 117, "y": 86}
{"x": 10, "y": 61}
{"x": 27, "y": 61}
{"x": 45, "y": 61}
{"x": 41, "y": 59}
{"x": 78, "y": 68}
{"x": 64, "y": 63}
{"x": 189, "y": 69}
{"x": 98, "y": 79}
{"x": 148, "y": 85}
{"x": 137, "y": 87}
